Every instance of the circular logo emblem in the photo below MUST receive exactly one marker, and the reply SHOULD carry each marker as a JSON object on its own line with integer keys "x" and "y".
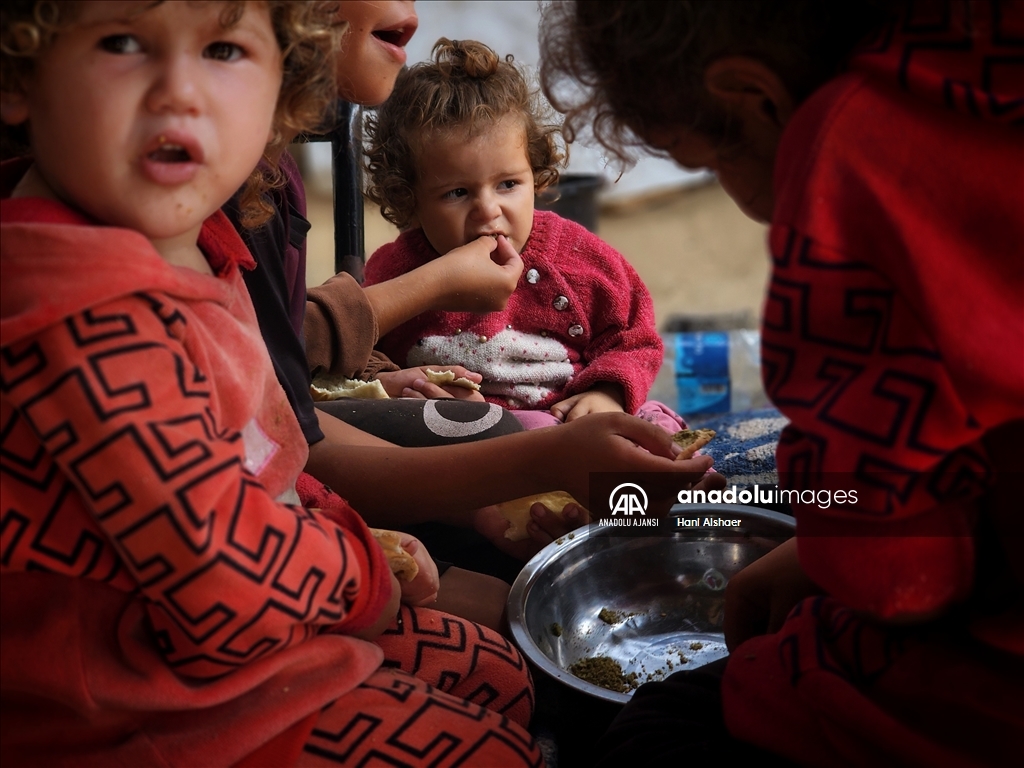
{"x": 629, "y": 499}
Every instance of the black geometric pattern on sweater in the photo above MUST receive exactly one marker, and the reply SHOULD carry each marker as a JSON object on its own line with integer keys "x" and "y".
{"x": 910, "y": 394}
{"x": 416, "y": 740}
{"x": 346, "y": 740}
{"x": 18, "y": 366}
{"x": 90, "y": 328}
{"x": 13, "y": 525}
{"x": 85, "y": 553}
{"x": 36, "y": 470}
{"x": 899, "y": 483}
{"x": 174, "y": 455}
{"x": 933, "y": 25}
{"x": 174, "y": 322}
{"x": 962, "y": 474}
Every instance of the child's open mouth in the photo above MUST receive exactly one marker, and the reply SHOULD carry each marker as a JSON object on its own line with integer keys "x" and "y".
{"x": 397, "y": 37}
{"x": 172, "y": 159}
{"x": 170, "y": 153}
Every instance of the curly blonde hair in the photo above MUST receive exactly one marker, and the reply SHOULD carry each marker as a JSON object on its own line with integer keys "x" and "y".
{"x": 307, "y": 33}
{"x": 465, "y": 87}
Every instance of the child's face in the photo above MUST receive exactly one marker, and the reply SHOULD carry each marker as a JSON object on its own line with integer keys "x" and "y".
{"x": 745, "y": 174}
{"x": 373, "y": 49}
{"x": 151, "y": 119}
{"x": 468, "y": 187}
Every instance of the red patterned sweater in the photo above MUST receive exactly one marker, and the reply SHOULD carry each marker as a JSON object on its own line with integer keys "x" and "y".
{"x": 158, "y": 605}
{"x": 579, "y": 316}
{"x": 893, "y": 340}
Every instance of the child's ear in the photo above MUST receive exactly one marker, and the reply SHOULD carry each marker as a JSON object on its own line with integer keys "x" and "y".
{"x": 13, "y": 107}
{"x": 750, "y": 90}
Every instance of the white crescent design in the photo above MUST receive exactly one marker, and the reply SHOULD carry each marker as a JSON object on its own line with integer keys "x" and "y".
{"x": 439, "y": 425}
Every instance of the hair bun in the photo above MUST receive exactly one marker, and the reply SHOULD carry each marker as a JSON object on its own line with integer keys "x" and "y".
{"x": 465, "y": 57}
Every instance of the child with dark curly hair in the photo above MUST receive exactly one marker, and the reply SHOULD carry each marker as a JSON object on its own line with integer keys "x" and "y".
{"x": 457, "y": 153}
{"x": 882, "y": 142}
{"x": 164, "y": 600}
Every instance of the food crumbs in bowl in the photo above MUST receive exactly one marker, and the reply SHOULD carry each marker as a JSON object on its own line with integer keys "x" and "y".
{"x": 556, "y": 629}
{"x": 604, "y": 672}
{"x": 609, "y": 617}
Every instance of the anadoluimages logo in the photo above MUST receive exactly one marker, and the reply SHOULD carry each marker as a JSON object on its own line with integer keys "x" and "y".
{"x": 628, "y": 498}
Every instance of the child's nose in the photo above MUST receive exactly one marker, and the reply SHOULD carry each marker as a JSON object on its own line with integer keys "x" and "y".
{"x": 175, "y": 87}
{"x": 487, "y": 207}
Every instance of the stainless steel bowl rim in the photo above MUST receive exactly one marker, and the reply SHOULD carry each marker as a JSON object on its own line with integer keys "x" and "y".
{"x": 516, "y": 605}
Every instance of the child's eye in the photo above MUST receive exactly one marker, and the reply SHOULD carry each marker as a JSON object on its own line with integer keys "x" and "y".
{"x": 508, "y": 184}
{"x": 454, "y": 194}
{"x": 221, "y": 51}
{"x": 120, "y": 44}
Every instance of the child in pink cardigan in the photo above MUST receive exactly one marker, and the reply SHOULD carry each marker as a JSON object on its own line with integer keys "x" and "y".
{"x": 457, "y": 153}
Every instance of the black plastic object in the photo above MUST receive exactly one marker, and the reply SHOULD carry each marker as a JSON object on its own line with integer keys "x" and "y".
{"x": 574, "y": 197}
{"x": 345, "y": 134}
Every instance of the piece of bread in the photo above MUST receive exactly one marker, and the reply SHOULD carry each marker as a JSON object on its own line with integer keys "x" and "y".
{"x": 691, "y": 441}
{"x": 442, "y": 378}
{"x": 337, "y": 387}
{"x": 402, "y": 564}
{"x": 517, "y": 511}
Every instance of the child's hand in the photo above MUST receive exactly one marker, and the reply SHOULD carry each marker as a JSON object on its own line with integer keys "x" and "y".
{"x": 387, "y": 616}
{"x": 545, "y": 526}
{"x": 412, "y": 382}
{"x": 608, "y": 442}
{"x": 604, "y": 398}
{"x": 758, "y": 598}
{"x": 479, "y": 276}
{"x": 422, "y": 590}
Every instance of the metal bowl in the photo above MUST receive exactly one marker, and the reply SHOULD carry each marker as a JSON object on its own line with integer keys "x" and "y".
{"x": 662, "y": 596}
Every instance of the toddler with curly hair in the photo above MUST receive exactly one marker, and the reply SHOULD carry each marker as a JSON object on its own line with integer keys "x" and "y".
{"x": 457, "y": 153}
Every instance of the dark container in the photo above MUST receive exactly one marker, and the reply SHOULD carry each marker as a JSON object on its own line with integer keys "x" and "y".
{"x": 574, "y": 197}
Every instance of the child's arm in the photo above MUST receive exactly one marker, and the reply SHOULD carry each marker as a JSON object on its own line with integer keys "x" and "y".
{"x": 478, "y": 277}
{"x": 227, "y": 573}
{"x": 343, "y": 320}
{"x": 447, "y": 483}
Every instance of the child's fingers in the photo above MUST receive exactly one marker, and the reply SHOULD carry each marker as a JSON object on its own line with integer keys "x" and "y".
{"x": 549, "y": 526}
{"x": 461, "y": 393}
{"x": 655, "y": 439}
{"x": 463, "y": 373}
{"x": 563, "y": 408}
{"x": 505, "y": 255}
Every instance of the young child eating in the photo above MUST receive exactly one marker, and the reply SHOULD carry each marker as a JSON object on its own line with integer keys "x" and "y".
{"x": 457, "y": 153}
{"x": 162, "y": 602}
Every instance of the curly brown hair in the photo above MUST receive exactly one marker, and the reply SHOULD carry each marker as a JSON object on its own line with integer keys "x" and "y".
{"x": 619, "y": 69}
{"x": 307, "y": 33}
{"x": 466, "y": 87}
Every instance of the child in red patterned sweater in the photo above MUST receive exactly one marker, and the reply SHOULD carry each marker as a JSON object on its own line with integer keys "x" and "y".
{"x": 457, "y": 153}
{"x": 162, "y": 600}
{"x": 882, "y": 142}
